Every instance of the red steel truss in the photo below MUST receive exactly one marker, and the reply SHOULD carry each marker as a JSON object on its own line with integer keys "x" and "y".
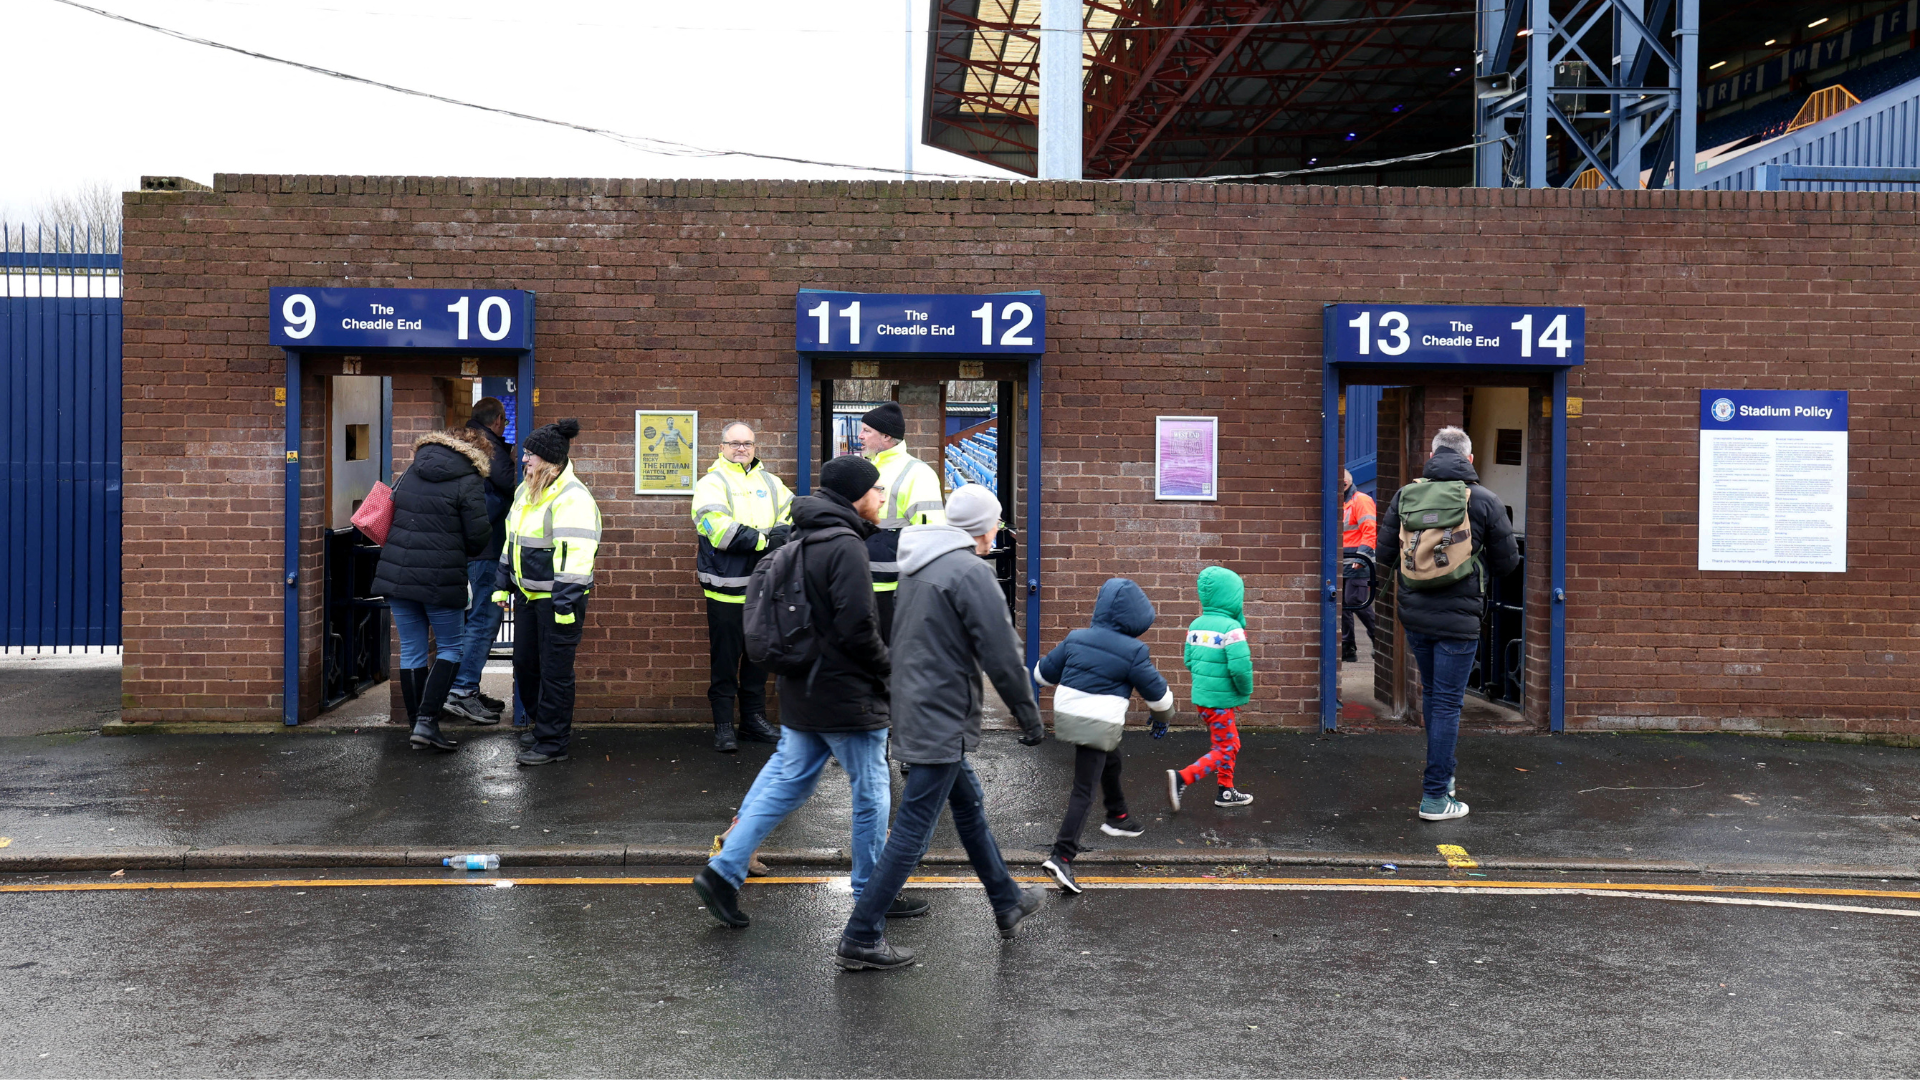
{"x": 1205, "y": 87}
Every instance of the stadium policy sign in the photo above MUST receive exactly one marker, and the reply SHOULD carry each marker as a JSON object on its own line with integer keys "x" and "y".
{"x": 991, "y": 324}
{"x": 1421, "y": 335}
{"x": 1773, "y": 480}
{"x": 357, "y": 319}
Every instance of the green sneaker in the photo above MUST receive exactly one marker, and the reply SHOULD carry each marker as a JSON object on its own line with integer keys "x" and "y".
{"x": 1442, "y": 809}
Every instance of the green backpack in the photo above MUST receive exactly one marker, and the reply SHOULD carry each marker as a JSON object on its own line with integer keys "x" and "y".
{"x": 1436, "y": 536}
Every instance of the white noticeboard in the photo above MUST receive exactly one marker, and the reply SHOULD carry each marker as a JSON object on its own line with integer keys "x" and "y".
{"x": 1773, "y": 480}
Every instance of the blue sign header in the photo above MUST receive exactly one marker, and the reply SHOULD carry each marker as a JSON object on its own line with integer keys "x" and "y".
{"x": 1420, "y": 335}
{"x": 1773, "y": 410}
{"x": 454, "y": 319}
{"x": 992, "y": 324}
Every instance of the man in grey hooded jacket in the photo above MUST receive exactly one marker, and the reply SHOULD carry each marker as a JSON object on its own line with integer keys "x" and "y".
{"x": 949, "y": 624}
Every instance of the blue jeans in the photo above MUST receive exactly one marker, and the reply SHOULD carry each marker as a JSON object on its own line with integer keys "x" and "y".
{"x": 412, "y": 618}
{"x": 788, "y": 779}
{"x": 1445, "y": 664}
{"x": 929, "y": 787}
{"x": 483, "y": 622}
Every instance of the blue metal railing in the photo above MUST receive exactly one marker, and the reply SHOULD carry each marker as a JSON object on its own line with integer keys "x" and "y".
{"x": 60, "y": 354}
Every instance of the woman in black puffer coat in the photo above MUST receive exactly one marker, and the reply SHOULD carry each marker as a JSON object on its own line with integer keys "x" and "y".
{"x": 439, "y": 522}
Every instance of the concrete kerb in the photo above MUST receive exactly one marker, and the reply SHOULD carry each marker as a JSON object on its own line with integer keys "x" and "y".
{"x": 242, "y": 857}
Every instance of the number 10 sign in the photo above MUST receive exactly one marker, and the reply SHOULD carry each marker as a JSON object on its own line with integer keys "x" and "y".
{"x": 464, "y": 319}
{"x": 947, "y": 324}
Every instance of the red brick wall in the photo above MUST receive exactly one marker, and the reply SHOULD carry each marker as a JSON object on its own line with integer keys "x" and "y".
{"x": 1164, "y": 299}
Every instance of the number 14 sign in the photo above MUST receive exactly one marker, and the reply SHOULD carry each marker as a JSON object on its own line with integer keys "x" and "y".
{"x": 1424, "y": 334}
{"x": 942, "y": 324}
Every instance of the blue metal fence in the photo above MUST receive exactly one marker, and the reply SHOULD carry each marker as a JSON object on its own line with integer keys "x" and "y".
{"x": 60, "y": 355}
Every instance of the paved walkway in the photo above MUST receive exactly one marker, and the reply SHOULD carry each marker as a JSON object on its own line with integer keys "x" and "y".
{"x": 1648, "y": 802}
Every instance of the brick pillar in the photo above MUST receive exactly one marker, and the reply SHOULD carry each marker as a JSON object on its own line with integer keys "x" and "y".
{"x": 924, "y": 406}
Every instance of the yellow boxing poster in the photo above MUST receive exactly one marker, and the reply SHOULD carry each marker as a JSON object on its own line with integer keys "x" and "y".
{"x": 664, "y": 455}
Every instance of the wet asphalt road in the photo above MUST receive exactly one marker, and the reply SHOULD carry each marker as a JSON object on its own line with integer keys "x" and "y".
{"x": 1719, "y": 799}
{"x": 636, "y": 980}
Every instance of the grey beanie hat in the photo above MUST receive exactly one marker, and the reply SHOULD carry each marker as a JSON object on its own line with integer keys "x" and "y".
{"x": 973, "y": 510}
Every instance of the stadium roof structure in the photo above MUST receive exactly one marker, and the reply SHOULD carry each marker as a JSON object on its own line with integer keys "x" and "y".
{"x": 1185, "y": 88}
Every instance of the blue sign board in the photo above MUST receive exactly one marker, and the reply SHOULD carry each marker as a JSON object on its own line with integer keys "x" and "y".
{"x": 1422, "y": 335}
{"x": 1773, "y": 410}
{"x": 992, "y": 324}
{"x": 468, "y": 320}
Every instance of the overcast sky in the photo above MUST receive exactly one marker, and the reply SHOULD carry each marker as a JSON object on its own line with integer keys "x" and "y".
{"x": 99, "y": 100}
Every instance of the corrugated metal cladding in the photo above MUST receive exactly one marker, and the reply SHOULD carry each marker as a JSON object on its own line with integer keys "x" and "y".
{"x": 60, "y": 445}
{"x": 1880, "y": 132}
{"x": 1363, "y": 432}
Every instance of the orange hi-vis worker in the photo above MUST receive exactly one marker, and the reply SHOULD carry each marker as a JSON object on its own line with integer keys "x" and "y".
{"x": 1357, "y": 527}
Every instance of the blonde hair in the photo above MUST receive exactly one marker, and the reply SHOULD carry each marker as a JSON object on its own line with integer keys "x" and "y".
{"x": 539, "y": 476}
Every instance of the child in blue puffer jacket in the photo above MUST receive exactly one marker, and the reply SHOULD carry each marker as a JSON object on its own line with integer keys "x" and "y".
{"x": 1097, "y": 670}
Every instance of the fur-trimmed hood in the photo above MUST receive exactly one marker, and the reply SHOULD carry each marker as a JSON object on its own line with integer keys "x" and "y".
{"x": 482, "y": 461}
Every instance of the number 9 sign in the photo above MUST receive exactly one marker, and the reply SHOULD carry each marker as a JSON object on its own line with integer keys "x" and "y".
{"x": 298, "y": 311}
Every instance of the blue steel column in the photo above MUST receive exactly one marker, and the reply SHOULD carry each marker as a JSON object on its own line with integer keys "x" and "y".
{"x": 290, "y": 608}
{"x": 1688, "y": 31}
{"x": 1557, "y": 648}
{"x": 1539, "y": 81}
{"x": 1033, "y": 512}
{"x": 803, "y": 431}
{"x": 1329, "y": 541}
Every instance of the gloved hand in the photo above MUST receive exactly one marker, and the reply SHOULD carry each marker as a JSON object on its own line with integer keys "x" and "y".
{"x": 1033, "y": 738}
{"x": 1159, "y": 729}
{"x": 777, "y": 536}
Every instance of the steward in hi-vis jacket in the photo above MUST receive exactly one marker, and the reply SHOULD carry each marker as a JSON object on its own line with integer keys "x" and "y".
{"x": 741, "y": 512}
{"x": 913, "y": 498}
{"x": 553, "y": 532}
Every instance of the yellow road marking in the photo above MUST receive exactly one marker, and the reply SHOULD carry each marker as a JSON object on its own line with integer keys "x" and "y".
{"x": 1456, "y": 856}
{"x": 1167, "y": 882}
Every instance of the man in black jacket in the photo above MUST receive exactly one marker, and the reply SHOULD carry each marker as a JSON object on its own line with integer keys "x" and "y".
{"x": 1443, "y": 624}
{"x": 839, "y": 710}
{"x": 486, "y": 427}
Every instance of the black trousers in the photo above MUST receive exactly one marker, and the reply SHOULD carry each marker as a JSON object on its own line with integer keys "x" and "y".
{"x": 543, "y": 652}
{"x": 733, "y": 675}
{"x": 1347, "y": 614}
{"x": 1089, "y": 765}
{"x": 883, "y": 602}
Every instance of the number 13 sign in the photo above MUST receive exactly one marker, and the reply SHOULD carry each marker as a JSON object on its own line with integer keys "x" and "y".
{"x": 1422, "y": 334}
{"x": 952, "y": 325}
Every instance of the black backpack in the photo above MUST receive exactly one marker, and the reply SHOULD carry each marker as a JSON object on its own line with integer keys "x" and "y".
{"x": 778, "y": 615}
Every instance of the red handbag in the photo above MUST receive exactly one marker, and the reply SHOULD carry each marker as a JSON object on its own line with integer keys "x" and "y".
{"x": 375, "y": 517}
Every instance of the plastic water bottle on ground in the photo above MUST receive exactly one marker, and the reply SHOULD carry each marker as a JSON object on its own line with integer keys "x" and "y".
{"x": 472, "y": 862}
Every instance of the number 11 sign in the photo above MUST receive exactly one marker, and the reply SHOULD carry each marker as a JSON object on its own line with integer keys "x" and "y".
{"x": 941, "y": 324}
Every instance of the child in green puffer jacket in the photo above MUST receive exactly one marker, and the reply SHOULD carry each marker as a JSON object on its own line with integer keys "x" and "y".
{"x": 1222, "y": 668}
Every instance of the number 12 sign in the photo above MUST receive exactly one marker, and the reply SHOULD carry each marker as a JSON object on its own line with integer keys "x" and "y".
{"x": 947, "y": 324}
{"x": 468, "y": 319}
{"x": 1422, "y": 334}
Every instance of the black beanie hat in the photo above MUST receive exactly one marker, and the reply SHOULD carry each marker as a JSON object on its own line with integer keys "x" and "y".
{"x": 849, "y": 476}
{"x": 886, "y": 419}
{"x": 550, "y": 441}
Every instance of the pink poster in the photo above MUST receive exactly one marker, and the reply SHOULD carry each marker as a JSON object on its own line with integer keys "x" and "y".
{"x": 1186, "y": 457}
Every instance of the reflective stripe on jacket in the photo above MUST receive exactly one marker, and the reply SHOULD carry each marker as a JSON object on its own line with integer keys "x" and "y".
{"x": 551, "y": 542}
{"x": 1358, "y": 528}
{"x": 913, "y": 498}
{"x": 733, "y": 507}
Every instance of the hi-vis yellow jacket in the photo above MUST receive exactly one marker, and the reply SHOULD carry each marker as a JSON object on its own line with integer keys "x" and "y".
{"x": 734, "y": 506}
{"x": 913, "y": 498}
{"x": 551, "y": 542}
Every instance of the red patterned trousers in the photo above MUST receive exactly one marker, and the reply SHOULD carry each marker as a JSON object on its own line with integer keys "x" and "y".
{"x": 1226, "y": 748}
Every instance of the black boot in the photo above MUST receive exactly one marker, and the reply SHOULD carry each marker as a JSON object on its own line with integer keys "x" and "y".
{"x": 754, "y": 728}
{"x": 879, "y": 956}
{"x": 411, "y": 680}
{"x": 433, "y": 694}
{"x": 723, "y": 739}
{"x": 719, "y": 896}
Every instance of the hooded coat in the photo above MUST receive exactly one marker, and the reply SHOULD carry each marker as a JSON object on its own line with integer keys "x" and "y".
{"x": 1098, "y": 669}
{"x": 949, "y": 624}
{"x": 847, "y": 689}
{"x": 1217, "y": 652}
{"x": 500, "y": 483}
{"x": 1453, "y": 610}
{"x": 439, "y": 522}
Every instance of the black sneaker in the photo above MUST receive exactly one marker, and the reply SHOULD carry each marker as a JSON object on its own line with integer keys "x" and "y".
{"x": 1176, "y": 787}
{"x": 493, "y": 704}
{"x": 906, "y": 907}
{"x": 535, "y": 757}
{"x": 879, "y": 956}
{"x": 1031, "y": 898}
{"x": 719, "y": 896}
{"x": 1061, "y": 871}
{"x": 1232, "y": 797}
{"x": 469, "y": 707}
{"x": 1123, "y": 825}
